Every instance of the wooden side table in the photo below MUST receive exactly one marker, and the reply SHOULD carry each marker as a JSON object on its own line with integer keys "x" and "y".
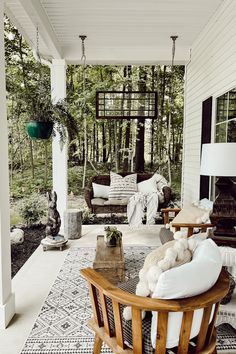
{"x": 109, "y": 261}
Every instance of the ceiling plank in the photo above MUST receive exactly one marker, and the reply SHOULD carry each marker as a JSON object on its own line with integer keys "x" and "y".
{"x": 17, "y": 24}
{"x": 38, "y": 16}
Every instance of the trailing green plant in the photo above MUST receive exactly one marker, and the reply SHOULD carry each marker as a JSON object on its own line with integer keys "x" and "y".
{"x": 32, "y": 208}
{"x": 113, "y": 233}
{"x": 41, "y": 108}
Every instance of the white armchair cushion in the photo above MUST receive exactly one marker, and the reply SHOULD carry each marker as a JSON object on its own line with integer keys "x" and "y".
{"x": 190, "y": 279}
{"x": 190, "y": 215}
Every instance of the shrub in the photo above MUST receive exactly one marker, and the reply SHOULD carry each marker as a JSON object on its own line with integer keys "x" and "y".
{"x": 87, "y": 217}
{"x": 32, "y": 208}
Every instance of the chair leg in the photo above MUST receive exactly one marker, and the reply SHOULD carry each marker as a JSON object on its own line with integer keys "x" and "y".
{"x": 97, "y": 345}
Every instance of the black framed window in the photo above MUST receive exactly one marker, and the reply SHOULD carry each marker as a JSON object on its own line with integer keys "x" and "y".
{"x": 225, "y": 129}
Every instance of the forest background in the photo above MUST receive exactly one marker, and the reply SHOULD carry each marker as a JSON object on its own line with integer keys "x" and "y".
{"x": 114, "y": 144}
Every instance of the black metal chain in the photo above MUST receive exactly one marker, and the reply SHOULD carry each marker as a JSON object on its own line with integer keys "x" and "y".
{"x": 83, "y": 58}
{"x": 37, "y": 44}
{"x": 173, "y": 49}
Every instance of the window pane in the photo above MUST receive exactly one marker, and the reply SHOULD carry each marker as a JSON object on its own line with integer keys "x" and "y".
{"x": 221, "y": 114}
{"x": 220, "y": 133}
{"x": 231, "y": 138}
{"x": 232, "y": 104}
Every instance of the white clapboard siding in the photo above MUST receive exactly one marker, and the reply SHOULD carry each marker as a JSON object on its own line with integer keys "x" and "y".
{"x": 210, "y": 72}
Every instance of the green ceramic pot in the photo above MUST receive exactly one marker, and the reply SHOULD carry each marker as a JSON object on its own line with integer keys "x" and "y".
{"x": 39, "y": 130}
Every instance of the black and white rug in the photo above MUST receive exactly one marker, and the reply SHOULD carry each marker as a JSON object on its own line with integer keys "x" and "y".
{"x": 61, "y": 325}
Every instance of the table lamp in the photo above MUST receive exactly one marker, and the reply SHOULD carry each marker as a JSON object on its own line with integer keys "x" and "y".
{"x": 219, "y": 160}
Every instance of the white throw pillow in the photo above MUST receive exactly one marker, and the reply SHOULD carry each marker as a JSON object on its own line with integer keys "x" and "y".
{"x": 190, "y": 279}
{"x": 122, "y": 187}
{"x": 148, "y": 186}
{"x": 100, "y": 191}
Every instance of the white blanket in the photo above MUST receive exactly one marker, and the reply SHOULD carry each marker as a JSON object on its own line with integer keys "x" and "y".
{"x": 136, "y": 206}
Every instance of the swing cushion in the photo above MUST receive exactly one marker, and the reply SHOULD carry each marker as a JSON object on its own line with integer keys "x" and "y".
{"x": 101, "y": 206}
{"x": 122, "y": 187}
{"x": 100, "y": 190}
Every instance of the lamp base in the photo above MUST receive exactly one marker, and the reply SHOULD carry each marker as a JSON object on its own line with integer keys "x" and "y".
{"x": 223, "y": 216}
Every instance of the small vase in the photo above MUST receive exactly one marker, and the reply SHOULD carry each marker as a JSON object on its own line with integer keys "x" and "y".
{"x": 111, "y": 242}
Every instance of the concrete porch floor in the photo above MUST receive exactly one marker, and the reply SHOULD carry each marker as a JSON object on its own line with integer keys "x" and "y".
{"x": 34, "y": 280}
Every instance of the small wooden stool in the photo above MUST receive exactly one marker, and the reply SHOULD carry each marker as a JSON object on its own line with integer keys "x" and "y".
{"x": 72, "y": 223}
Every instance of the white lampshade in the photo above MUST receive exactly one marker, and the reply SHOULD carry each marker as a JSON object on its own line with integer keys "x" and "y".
{"x": 219, "y": 160}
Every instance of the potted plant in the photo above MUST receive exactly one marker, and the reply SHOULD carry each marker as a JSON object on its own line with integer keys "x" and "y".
{"x": 44, "y": 116}
{"x": 113, "y": 236}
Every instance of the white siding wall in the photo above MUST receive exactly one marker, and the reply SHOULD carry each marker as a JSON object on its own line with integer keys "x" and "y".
{"x": 210, "y": 72}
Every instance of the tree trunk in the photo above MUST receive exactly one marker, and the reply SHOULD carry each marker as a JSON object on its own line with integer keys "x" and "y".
{"x": 127, "y": 128}
{"x": 127, "y": 143}
{"x": 116, "y": 151}
{"x": 85, "y": 151}
{"x": 31, "y": 158}
{"x": 97, "y": 143}
{"x": 104, "y": 149}
{"x": 162, "y": 111}
{"x": 152, "y": 123}
{"x": 45, "y": 165}
{"x": 140, "y": 137}
{"x": 119, "y": 143}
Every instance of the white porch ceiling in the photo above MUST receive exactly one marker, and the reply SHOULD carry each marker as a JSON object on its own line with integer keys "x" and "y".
{"x": 119, "y": 32}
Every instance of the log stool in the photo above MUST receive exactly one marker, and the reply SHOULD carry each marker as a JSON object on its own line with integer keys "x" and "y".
{"x": 72, "y": 223}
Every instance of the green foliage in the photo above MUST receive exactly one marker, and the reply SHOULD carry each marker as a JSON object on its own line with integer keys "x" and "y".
{"x": 87, "y": 216}
{"x": 109, "y": 142}
{"x": 32, "y": 208}
{"x": 24, "y": 185}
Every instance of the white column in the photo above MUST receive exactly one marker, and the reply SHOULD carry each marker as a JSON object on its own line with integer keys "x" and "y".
{"x": 59, "y": 151}
{"x": 7, "y": 300}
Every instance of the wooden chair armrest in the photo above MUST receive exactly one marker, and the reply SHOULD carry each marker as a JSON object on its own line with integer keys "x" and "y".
{"x": 166, "y": 214}
{"x": 190, "y": 227}
{"x": 167, "y": 210}
{"x": 150, "y": 304}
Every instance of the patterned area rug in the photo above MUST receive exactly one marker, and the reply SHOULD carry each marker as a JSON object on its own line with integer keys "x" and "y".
{"x": 61, "y": 325}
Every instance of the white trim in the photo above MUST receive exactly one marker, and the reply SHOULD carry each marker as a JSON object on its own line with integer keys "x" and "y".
{"x": 59, "y": 151}
{"x": 7, "y": 304}
{"x": 7, "y": 311}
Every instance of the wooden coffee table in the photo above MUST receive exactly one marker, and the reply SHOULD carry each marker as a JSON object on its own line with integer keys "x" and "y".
{"x": 109, "y": 261}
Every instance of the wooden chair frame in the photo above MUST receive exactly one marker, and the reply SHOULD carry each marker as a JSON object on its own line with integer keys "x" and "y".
{"x": 100, "y": 289}
{"x": 190, "y": 226}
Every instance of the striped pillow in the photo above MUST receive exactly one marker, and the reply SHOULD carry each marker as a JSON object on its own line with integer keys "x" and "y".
{"x": 122, "y": 187}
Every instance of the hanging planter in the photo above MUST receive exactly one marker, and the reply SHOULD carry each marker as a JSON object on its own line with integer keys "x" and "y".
{"x": 39, "y": 130}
